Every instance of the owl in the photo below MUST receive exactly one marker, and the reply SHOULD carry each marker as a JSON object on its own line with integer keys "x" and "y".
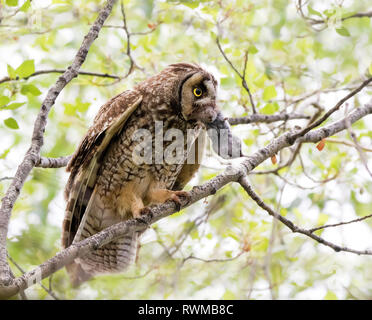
{"x": 108, "y": 185}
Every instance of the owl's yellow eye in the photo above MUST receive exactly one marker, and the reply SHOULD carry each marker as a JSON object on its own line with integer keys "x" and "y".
{"x": 198, "y": 92}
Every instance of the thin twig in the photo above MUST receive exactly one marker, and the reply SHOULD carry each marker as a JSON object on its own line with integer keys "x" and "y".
{"x": 357, "y": 146}
{"x": 128, "y": 35}
{"x": 340, "y": 223}
{"x": 241, "y": 76}
{"x": 84, "y": 73}
{"x": 246, "y": 186}
{"x": 356, "y": 15}
{"x": 263, "y": 118}
{"x": 347, "y": 143}
{"x": 192, "y": 257}
{"x": 49, "y": 291}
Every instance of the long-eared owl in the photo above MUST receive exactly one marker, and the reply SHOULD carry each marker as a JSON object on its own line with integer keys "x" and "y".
{"x": 107, "y": 185}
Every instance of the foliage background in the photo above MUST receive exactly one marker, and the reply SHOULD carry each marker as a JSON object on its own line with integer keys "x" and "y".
{"x": 225, "y": 247}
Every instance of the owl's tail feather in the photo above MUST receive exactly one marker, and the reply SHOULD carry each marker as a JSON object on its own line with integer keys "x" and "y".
{"x": 113, "y": 257}
{"x": 77, "y": 274}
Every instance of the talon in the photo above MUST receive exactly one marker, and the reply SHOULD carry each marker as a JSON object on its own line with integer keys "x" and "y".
{"x": 176, "y": 201}
{"x": 178, "y": 205}
{"x": 145, "y": 211}
{"x": 184, "y": 194}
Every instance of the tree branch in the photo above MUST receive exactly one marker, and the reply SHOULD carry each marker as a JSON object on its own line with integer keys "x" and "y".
{"x": 32, "y": 156}
{"x": 236, "y": 173}
{"x": 246, "y": 186}
{"x": 241, "y": 76}
{"x": 340, "y": 223}
{"x": 356, "y": 15}
{"x": 53, "y": 162}
{"x": 263, "y": 118}
{"x": 332, "y": 110}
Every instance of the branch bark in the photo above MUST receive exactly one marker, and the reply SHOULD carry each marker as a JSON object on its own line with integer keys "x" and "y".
{"x": 32, "y": 156}
{"x": 53, "y": 162}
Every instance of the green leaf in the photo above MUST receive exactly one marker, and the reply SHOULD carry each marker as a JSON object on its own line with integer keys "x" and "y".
{"x": 26, "y": 68}
{"x": 13, "y": 106}
{"x": 231, "y": 234}
{"x": 278, "y": 44}
{"x": 260, "y": 82}
{"x": 12, "y": 3}
{"x": 343, "y": 32}
{"x": 227, "y": 82}
{"x": 11, "y": 123}
{"x": 270, "y": 108}
{"x": 194, "y": 234}
{"x": 370, "y": 69}
{"x": 25, "y": 6}
{"x": 330, "y": 296}
{"x": 269, "y": 93}
{"x": 252, "y": 50}
{"x": 228, "y": 295}
{"x": 11, "y": 72}
{"x": 314, "y": 12}
{"x": 4, "y": 100}
{"x": 30, "y": 88}
{"x": 5, "y": 152}
{"x": 322, "y": 219}
{"x": 329, "y": 13}
{"x": 361, "y": 208}
{"x": 262, "y": 245}
{"x": 72, "y": 108}
{"x": 192, "y": 5}
{"x": 82, "y": 106}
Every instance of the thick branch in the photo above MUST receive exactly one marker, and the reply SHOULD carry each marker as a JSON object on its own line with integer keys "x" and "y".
{"x": 33, "y": 154}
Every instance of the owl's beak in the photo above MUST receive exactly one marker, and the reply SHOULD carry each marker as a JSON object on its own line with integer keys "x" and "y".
{"x": 209, "y": 115}
{"x": 224, "y": 143}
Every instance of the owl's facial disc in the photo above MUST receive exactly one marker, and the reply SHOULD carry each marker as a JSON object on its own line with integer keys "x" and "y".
{"x": 198, "y": 102}
{"x": 198, "y": 99}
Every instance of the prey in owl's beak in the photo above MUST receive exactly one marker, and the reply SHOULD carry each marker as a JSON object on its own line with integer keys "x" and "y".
{"x": 224, "y": 143}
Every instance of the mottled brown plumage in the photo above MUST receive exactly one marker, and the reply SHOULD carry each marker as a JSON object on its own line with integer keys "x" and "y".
{"x": 107, "y": 186}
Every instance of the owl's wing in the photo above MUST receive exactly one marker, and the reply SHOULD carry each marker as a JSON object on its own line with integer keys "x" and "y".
{"x": 85, "y": 162}
{"x": 193, "y": 162}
